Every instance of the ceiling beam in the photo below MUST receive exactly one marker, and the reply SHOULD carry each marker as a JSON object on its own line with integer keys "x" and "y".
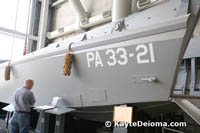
{"x": 17, "y": 34}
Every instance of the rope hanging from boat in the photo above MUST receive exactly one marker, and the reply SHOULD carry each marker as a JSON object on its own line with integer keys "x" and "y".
{"x": 68, "y": 62}
{"x": 7, "y": 72}
{"x": 8, "y": 67}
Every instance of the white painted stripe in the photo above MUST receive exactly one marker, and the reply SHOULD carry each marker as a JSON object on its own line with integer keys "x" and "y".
{"x": 151, "y": 52}
{"x": 131, "y": 55}
{"x": 144, "y": 40}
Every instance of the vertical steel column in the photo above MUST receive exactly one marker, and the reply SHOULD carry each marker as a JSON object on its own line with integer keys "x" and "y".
{"x": 193, "y": 76}
{"x": 43, "y": 23}
{"x": 44, "y": 123}
{"x": 60, "y": 123}
{"x": 185, "y": 77}
{"x": 31, "y": 24}
{"x": 134, "y": 6}
{"x": 121, "y": 9}
{"x": 7, "y": 119}
{"x": 79, "y": 11}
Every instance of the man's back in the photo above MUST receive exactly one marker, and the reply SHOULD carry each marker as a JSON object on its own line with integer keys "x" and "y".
{"x": 23, "y": 99}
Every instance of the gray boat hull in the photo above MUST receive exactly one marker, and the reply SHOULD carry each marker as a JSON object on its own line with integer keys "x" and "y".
{"x": 129, "y": 67}
{"x": 135, "y": 65}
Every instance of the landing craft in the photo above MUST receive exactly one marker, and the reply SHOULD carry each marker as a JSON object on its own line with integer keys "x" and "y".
{"x": 132, "y": 61}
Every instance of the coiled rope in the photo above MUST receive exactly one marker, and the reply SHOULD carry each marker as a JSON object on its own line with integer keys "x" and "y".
{"x": 68, "y": 62}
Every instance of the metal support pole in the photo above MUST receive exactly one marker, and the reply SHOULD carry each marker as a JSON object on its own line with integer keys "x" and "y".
{"x": 7, "y": 119}
{"x": 45, "y": 122}
{"x": 31, "y": 24}
{"x": 134, "y": 6}
{"x": 60, "y": 123}
{"x": 193, "y": 76}
{"x": 43, "y": 23}
{"x": 185, "y": 77}
{"x": 121, "y": 9}
{"x": 79, "y": 11}
{"x": 16, "y": 34}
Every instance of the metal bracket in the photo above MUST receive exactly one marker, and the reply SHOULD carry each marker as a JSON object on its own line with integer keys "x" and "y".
{"x": 84, "y": 21}
{"x": 84, "y": 37}
{"x": 119, "y": 26}
{"x": 107, "y": 14}
{"x": 145, "y": 78}
{"x": 149, "y": 79}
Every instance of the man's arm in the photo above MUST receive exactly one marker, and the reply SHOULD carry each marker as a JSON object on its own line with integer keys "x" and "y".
{"x": 32, "y": 99}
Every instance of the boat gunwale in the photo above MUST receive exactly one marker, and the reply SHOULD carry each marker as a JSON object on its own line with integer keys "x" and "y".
{"x": 177, "y": 23}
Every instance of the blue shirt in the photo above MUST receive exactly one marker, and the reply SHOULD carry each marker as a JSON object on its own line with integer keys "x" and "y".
{"x": 23, "y": 99}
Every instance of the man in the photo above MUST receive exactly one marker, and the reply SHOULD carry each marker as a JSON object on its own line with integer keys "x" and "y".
{"x": 23, "y": 100}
